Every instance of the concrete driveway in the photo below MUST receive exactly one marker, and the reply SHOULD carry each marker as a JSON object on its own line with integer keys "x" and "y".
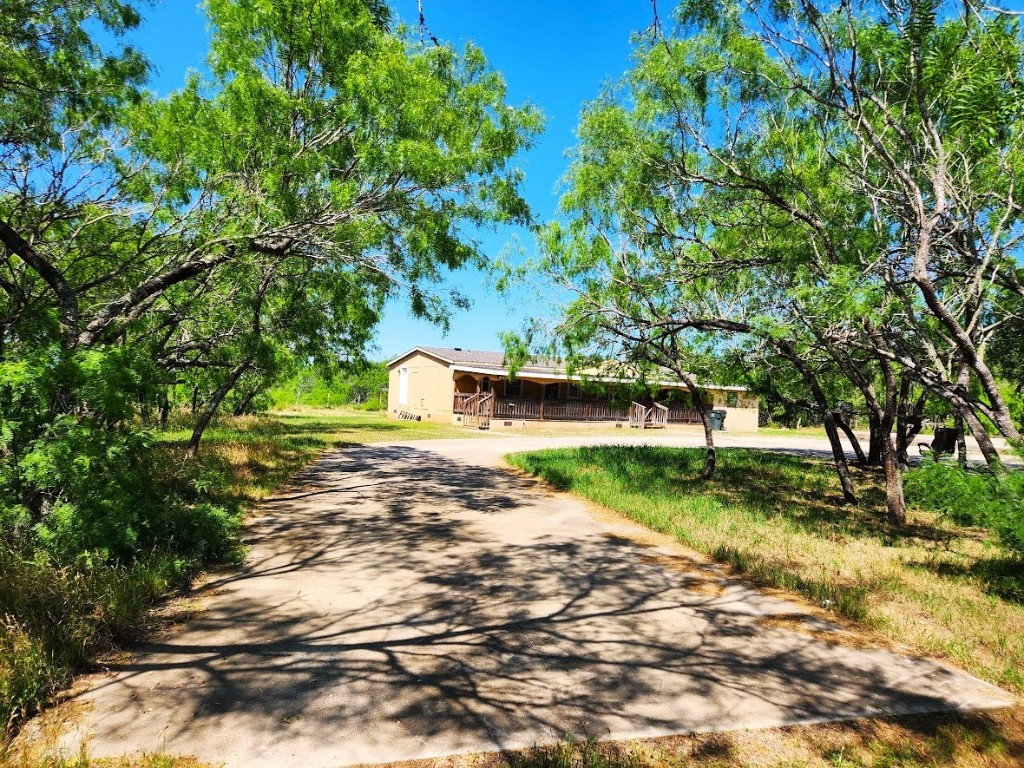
{"x": 407, "y": 601}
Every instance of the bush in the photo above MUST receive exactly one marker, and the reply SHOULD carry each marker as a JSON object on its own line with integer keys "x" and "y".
{"x": 95, "y": 523}
{"x": 53, "y": 619}
{"x": 977, "y": 497}
{"x": 82, "y": 483}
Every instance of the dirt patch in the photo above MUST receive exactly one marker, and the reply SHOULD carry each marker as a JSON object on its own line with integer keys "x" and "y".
{"x": 977, "y": 740}
{"x": 804, "y": 625}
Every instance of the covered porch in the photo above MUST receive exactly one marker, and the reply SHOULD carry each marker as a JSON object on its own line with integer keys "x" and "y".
{"x": 540, "y": 399}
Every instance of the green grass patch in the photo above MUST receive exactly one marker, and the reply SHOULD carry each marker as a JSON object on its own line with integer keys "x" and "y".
{"x": 945, "y": 588}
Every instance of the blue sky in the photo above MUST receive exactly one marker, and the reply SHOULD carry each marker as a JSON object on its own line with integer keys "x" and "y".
{"x": 553, "y": 54}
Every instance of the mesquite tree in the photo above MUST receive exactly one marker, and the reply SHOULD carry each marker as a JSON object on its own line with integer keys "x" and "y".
{"x": 841, "y": 179}
{"x": 267, "y": 210}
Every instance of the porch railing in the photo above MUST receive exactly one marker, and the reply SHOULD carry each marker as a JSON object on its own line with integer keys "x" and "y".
{"x": 478, "y": 409}
{"x": 557, "y": 410}
{"x": 654, "y": 416}
{"x": 521, "y": 408}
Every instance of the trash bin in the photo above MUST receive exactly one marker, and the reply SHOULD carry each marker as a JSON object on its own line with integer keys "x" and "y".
{"x": 717, "y": 419}
{"x": 944, "y": 443}
{"x": 845, "y": 411}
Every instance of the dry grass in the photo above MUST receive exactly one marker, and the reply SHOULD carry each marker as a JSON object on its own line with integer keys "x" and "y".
{"x": 83, "y": 760}
{"x": 245, "y": 458}
{"x": 959, "y": 741}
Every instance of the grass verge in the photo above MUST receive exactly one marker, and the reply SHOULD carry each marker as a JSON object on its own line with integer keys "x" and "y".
{"x": 245, "y": 458}
{"x": 964, "y": 741}
{"x": 935, "y": 586}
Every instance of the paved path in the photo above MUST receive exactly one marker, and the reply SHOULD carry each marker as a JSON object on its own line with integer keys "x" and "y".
{"x": 405, "y": 601}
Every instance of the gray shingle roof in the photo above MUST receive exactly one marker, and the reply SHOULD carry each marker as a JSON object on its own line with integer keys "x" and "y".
{"x": 485, "y": 359}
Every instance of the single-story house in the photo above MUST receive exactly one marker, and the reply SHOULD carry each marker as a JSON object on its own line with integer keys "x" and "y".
{"x": 447, "y": 384}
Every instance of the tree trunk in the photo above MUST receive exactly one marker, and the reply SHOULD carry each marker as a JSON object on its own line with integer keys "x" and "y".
{"x": 839, "y": 456}
{"x": 896, "y": 506}
{"x": 895, "y": 503}
{"x": 212, "y": 406}
{"x": 243, "y": 406}
{"x": 709, "y": 442}
{"x": 236, "y": 373}
{"x": 874, "y": 441}
{"x": 164, "y": 408}
{"x": 988, "y": 449}
{"x": 961, "y": 440}
{"x": 902, "y": 427}
{"x": 852, "y": 437}
{"x": 145, "y": 411}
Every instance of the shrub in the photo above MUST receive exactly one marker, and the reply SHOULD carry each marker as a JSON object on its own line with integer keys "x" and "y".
{"x": 53, "y": 619}
{"x": 95, "y": 523}
{"x": 79, "y": 481}
{"x": 977, "y": 497}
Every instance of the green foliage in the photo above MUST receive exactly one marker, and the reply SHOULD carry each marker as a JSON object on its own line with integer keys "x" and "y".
{"x": 203, "y": 242}
{"x": 980, "y": 497}
{"x": 84, "y": 483}
{"x": 365, "y": 387}
{"x": 54, "y": 74}
{"x": 54, "y": 618}
{"x": 94, "y": 524}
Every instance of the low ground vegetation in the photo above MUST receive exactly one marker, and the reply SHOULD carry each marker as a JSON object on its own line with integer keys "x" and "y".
{"x": 362, "y": 389}
{"x": 972, "y": 741}
{"x": 70, "y": 596}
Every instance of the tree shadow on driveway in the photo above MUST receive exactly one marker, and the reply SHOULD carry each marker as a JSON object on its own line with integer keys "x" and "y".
{"x": 399, "y": 604}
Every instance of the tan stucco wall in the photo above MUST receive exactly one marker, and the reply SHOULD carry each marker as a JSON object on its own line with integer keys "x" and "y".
{"x": 431, "y": 388}
{"x": 740, "y": 418}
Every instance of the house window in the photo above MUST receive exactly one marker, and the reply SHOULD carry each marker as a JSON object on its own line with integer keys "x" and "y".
{"x": 550, "y": 391}
{"x": 514, "y": 388}
{"x": 732, "y": 400}
{"x": 485, "y": 385}
{"x": 403, "y": 386}
{"x": 573, "y": 391}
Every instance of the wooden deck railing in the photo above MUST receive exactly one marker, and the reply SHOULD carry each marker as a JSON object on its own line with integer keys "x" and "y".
{"x": 477, "y": 409}
{"x": 557, "y": 410}
{"x": 637, "y": 415}
{"x": 569, "y": 410}
{"x": 654, "y": 417}
{"x": 678, "y": 414}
